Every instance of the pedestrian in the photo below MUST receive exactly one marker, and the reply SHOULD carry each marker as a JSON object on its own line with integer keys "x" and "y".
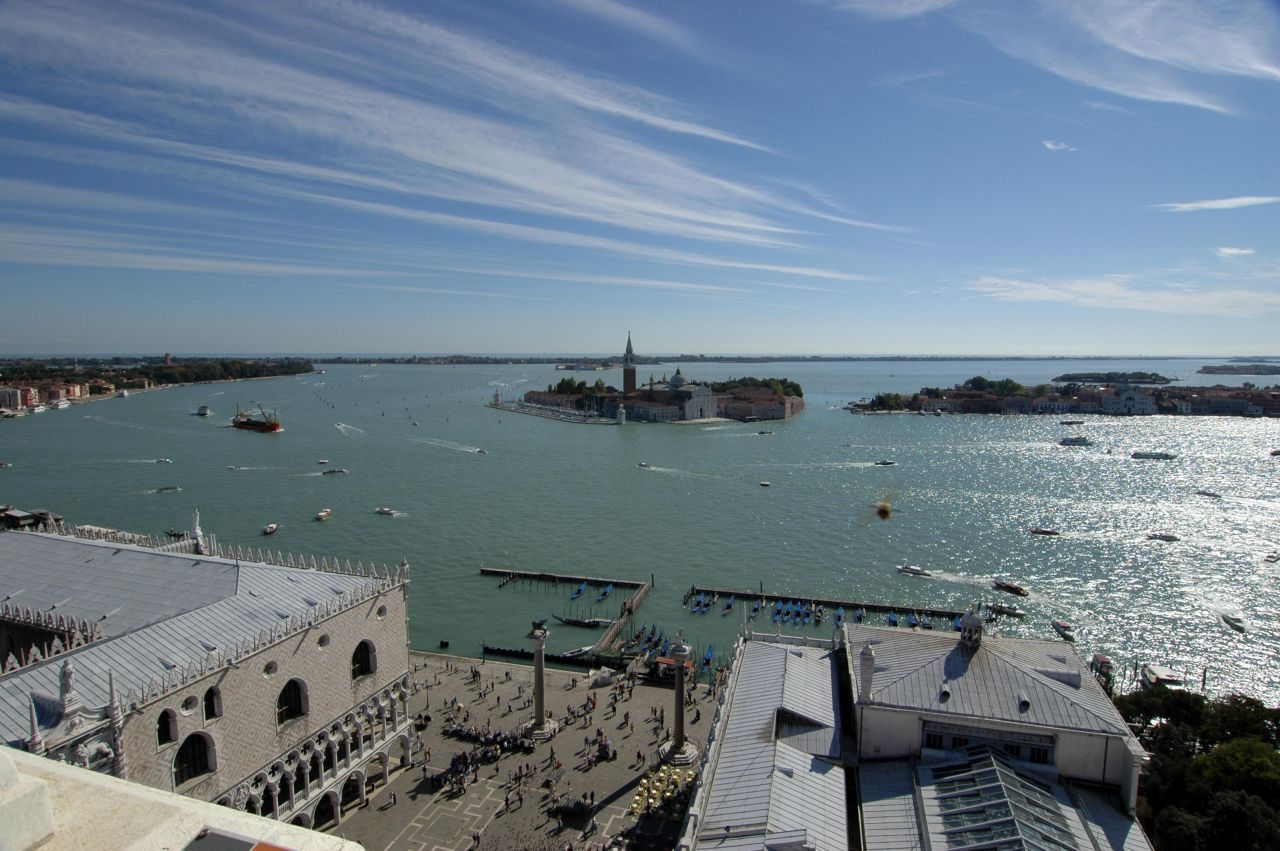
{"x": 506, "y": 802}
{"x": 393, "y": 799}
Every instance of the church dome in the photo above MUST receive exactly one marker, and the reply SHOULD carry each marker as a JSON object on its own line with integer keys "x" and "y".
{"x": 678, "y": 380}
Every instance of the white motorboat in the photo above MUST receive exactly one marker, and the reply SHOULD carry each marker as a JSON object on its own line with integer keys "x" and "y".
{"x": 384, "y": 510}
{"x": 203, "y": 411}
{"x": 164, "y": 461}
{"x": 1006, "y": 609}
{"x": 323, "y": 461}
{"x": 1234, "y": 621}
{"x": 913, "y": 570}
{"x": 578, "y": 651}
{"x": 1066, "y": 630}
{"x": 324, "y": 514}
{"x": 270, "y": 528}
{"x": 764, "y": 484}
{"x": 644, "y": 464}
{"x": 1153, "y": 675}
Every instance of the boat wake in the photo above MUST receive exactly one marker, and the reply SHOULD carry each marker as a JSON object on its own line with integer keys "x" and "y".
{"x": 449, "y": 444}
{"x": 716, "y": 427}
{"x": 348, "y": 430}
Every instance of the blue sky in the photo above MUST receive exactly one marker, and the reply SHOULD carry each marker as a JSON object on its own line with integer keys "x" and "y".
{"x": 862, "y": 177}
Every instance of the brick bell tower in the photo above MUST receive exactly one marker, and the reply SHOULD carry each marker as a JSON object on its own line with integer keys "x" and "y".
{"x": 629, "y": 368}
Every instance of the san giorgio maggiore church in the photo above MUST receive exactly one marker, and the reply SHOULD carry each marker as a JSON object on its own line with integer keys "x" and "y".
{"x": 677, "y": 399}
{"x": 269, "y": 684}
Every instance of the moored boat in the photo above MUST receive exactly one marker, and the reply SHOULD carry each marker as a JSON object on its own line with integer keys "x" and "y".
{"x": 1153, "y": 675}
{"x": 589, "y": 623}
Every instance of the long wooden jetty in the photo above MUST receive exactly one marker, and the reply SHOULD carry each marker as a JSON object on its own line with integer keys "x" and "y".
{"x": 606, "y": 645}
{"x": 748, "y": 596}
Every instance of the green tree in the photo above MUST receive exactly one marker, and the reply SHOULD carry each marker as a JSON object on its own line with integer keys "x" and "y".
{"x": 1241, "y": 765}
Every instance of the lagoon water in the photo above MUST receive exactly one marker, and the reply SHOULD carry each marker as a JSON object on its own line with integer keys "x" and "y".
{"x": 570, "y": 498}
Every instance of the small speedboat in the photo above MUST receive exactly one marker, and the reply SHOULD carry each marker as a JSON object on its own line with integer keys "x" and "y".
{"x": 577, "y": 651}
{"x": 885, "y": 463}
{"x": 1235, "y": 622}
{"x": 1066, "y": 630}
{"x": 164, "y": 461}
{"x": 1047, "y": 532}
{"x": 169, "y": 489}
{"x": 333, "y": 471}
{"x": 764, "y": 431}
{"x": 764, "y": 484}
{"x": 1153, "y": 456}
{"x": 1209, "y": 494}
{"x": 643, "y": 464}
{"x": 385, "y": 510}
{"x": 323, "y": 461}
{"x": 1012, "y": 588}
{"x": 270, "y": 528}
{"x": 1163, "y": 536}
{"x": 913, "y": 570}
{"x": 324, "y": 514}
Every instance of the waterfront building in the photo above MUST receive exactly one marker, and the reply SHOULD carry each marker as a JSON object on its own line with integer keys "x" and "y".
{"x": 268, "y": 683}
{"x": 957, "y": 740}
{"x": 1128, "y": 401}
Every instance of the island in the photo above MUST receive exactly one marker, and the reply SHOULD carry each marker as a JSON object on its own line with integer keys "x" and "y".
{"x": 1240, "y": 369}
{"x": 1113, "y": 378}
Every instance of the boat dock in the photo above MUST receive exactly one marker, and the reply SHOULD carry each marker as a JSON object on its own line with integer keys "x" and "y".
{"x": 607, "y": 644}
{"x": 747, "y": 597}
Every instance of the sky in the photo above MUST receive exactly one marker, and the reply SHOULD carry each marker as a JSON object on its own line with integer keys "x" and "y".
{"x": 1030, "y": 177}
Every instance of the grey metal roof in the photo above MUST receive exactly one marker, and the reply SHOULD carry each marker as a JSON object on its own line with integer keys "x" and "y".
{"x": 765, "y": 788}
{"x": 120, "y": 588}
{"x": 233, "y": 603}
{"x": 1027, "y": 681}
{"x": 887, "y": 803}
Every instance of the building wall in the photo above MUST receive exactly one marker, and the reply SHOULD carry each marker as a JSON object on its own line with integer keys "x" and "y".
{"x": 888, "y": 733}
{"x": 246, "y": 736}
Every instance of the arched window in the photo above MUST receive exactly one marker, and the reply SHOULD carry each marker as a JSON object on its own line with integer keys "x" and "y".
{"x": 292, "y": 702}
{"x": 364, "y": 660}
{"x": 212, "y": 703}
{"x": 194, "y": 758}
{"x": 167, "y": 727}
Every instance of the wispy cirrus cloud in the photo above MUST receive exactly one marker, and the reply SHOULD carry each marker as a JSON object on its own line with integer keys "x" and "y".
{"x": 1165, "y": 51}
{"x": 1217, "y": 204}
{"x": 1132, "y": 292}
{"x": 364, "y": 108}
{"x": 635, "y": 20}
{"x": 1057, "y": 146}
{"x": 1227, "y": 251}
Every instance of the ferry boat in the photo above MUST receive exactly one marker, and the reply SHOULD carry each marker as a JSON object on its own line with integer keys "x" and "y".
{"x": 1075, "y": 441}
{"x": 246, "y": 420}
{"x": 1153, "y": 456}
